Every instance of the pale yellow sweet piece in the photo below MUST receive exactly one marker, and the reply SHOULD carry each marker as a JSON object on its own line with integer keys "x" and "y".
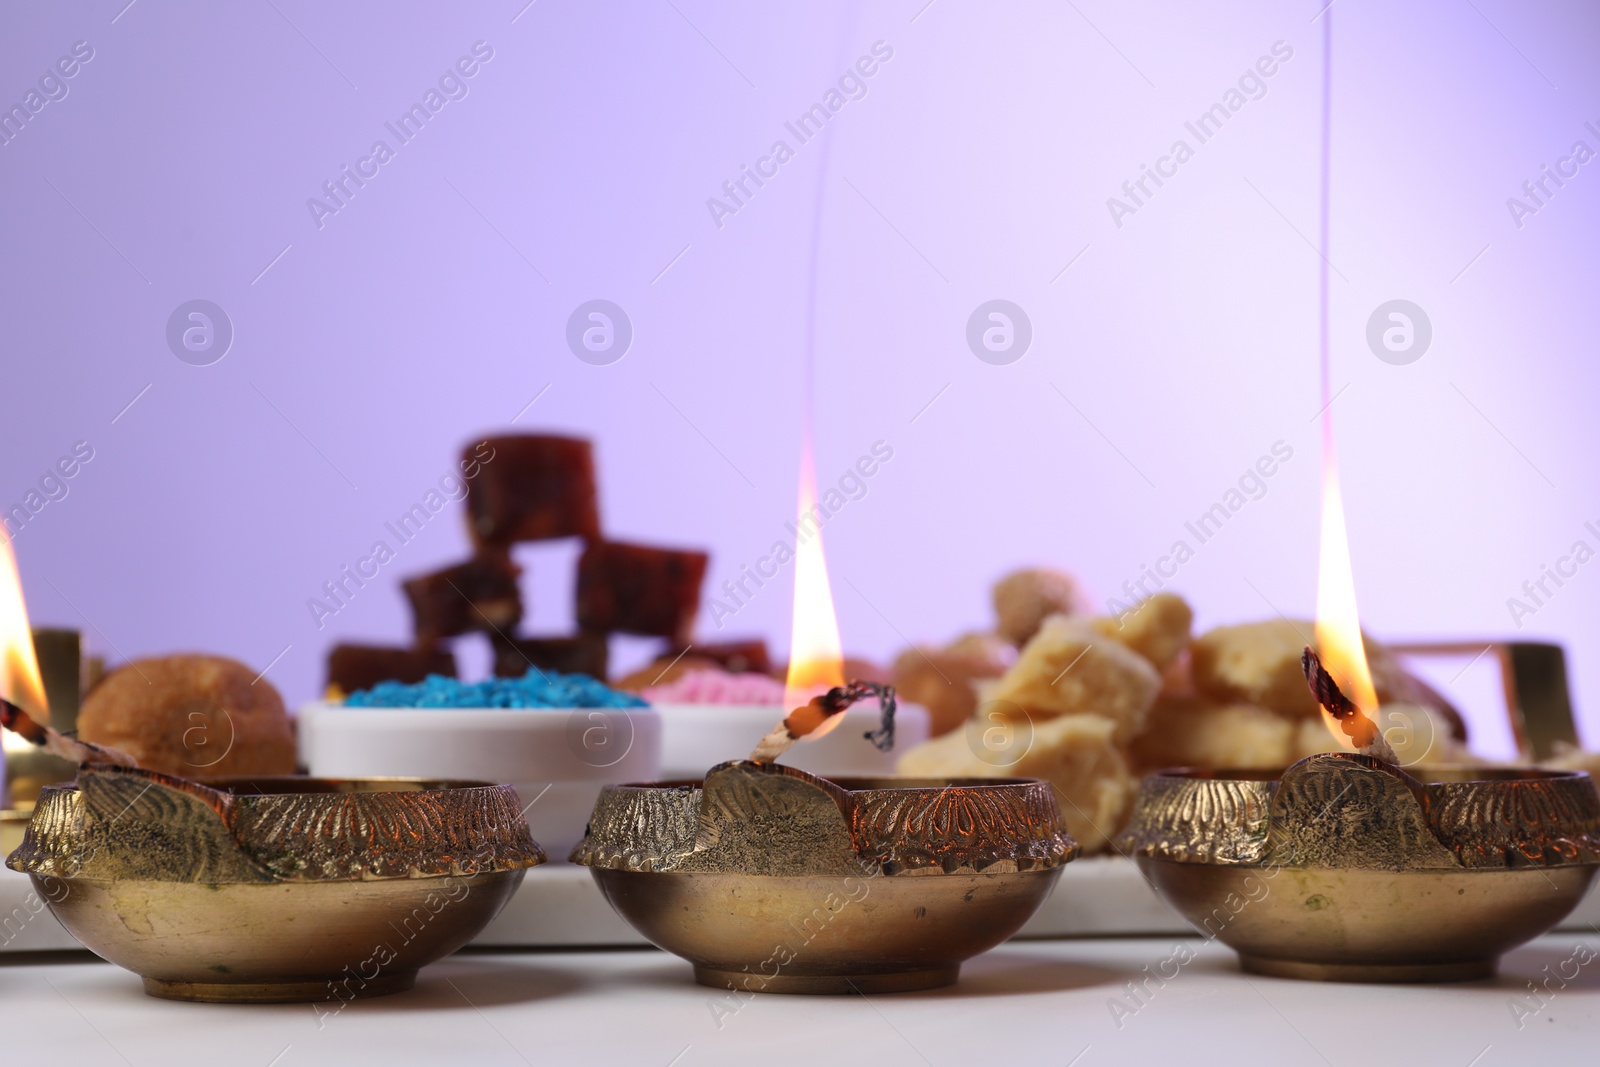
{"x": 1420, "y": 736}
{"x": 1312, "y": 737}
{"x": 1198, "y": 733}
{"x": 1572, "y": 758}
{"x": 1259, "y": 663}
{"x": 1157, "y": 628}
{"x": 1069, "y": 668}
{"x": 1255, "y": 663}
{"x": 1074, "y": 753}
{"x": 1024, "y": 599}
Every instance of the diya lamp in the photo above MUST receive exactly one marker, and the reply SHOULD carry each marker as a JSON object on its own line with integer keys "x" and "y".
{"x": 1349, "y": 867}
{"x": 259, "y": 890}
{"x": 770, "y": 879}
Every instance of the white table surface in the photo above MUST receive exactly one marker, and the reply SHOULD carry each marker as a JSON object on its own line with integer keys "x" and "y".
{"x": 1039, "y": 1002}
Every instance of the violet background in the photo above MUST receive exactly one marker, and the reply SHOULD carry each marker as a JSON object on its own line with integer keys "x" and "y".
{"x": 1166, "y": 359}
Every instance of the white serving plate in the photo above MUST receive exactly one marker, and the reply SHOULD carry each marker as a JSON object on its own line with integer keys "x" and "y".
{"x": 697, "y": 737}
{"x": 557, "y": 759}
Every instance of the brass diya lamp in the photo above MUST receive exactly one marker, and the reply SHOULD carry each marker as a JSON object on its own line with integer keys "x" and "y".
{"x": 769, "y": 879}
{"x": 1348, "y": 867}
{"x": 274, "y": 889}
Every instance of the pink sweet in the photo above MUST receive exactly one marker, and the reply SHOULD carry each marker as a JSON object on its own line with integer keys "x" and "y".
{"x": 717, "y": 687}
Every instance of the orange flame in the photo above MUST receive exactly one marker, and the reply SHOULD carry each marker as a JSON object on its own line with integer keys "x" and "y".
{"x": 1338, "y": 625}
{"x": 20, "y": 681}
{"x": 816, "y": 660}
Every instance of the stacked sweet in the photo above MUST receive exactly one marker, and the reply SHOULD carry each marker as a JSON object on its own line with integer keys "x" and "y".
{"x": 532, "y": 488}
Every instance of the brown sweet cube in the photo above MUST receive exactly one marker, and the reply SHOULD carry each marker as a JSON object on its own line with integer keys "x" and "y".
{"x": 480, "y": 594}
{"x": 531, "y": 487}
{"x": 352, "y": 667}
{"x": 735, "y": 657}
{"x": 583, "y": 654}
{"x": 637, "y": 589}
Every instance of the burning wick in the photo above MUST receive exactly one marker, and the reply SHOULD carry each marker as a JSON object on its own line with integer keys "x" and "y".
{"x": 811, "y": 718}
{"x": 56, "y": 743}
{"x": 1362, "y": 731}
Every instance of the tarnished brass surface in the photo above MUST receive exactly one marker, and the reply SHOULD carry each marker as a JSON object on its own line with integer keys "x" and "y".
{"x": 1347, "y": 869}
{"x": 271, "y": 942}
{"x": 769, "y": 879}
{"x": 274, "y": 889}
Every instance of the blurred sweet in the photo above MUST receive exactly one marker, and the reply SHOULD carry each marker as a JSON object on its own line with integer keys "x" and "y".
{"x": 549, "y": 689}
{"x": 480, "y": 594}
{"x": 1069, "y": 668}
{"x": 716, "y": 686}
{"x": 1024, "y": 599}
{"x": 191, "y": 714}
{"x": 1199, "y": 733}
{"x": 352, "y": 667}
{"x": 1157, "y": 628}
{"x": 1572, "y": 758}
{"x": 1255, "y": 663}
{"x": 943, "y": 680}
{"x": 740, "y": 657}
{"x": 1418, "y": 735}
{"x": 1259, "y": 663}
{"x": 638, "y": 589}
{"x": 532, "y": 488}
{"x": 1077, "y": 754}
{"x": 859, "y": 669}
{"x": 661, "y": 670}
{"x": 1178, "y": 679}
{"x": 583, "y": 654}
{"x": 989, "y": 654}
{"x": 1409, "y": 689}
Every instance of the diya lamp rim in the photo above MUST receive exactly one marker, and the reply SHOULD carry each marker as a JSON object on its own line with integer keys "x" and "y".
{"x": 312, "y": 834}
{"x": 930, "y": 825}
{"x": 1461, "y": 774}
{"x": 1489, "y": 819}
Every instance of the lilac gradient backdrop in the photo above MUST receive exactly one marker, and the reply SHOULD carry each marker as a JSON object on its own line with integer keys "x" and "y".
{"x": 1175, "y": 350}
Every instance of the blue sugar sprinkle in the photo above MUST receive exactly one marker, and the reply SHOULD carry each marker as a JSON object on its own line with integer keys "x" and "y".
{"x": 536, "y": 689}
